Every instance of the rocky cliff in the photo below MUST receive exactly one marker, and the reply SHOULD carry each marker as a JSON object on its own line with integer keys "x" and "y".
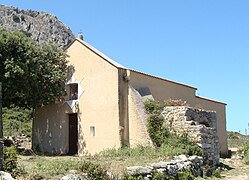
{"x": 41, "y": 26}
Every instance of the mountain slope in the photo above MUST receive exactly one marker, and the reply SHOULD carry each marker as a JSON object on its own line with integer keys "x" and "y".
{"x": 41, "y": 26}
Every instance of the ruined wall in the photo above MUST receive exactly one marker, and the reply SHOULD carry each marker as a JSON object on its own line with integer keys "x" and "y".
{"x": 162, "y": 90}
{"x": 200, "y": 126}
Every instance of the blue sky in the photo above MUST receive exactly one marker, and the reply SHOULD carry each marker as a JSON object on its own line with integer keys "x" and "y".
{"x": 203, "y": 43}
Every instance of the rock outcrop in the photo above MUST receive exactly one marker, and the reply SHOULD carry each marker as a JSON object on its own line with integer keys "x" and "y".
{"x": 200, "y": 127}
{"x": 40, "y": 26}
{"x": 6, "y": 176}
{"x": 193, "y": 164}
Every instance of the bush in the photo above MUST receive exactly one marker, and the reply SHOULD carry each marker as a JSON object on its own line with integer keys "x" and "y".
{"x": 94, "y": 171}
{"x": 232, "y": 135}
{"x": 157, "y": 132}
{"x": 153, "y": 107}
{"x": 10, "y": 159}
{"x": 185, "y": 175}
{"x": 10, "y": 162}
{"x": 129, "y": 177}
{"x": 22, "y": 17}
{"x": 245, "y": 151}
{"x": 16, "y": 18}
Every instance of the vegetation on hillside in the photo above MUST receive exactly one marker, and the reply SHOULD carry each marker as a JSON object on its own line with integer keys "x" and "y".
{"x": 237, "y": 140}
{"x": 17, "y": 121}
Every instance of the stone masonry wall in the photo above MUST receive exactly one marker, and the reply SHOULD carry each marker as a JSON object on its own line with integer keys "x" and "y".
{"x": 199, "y": 125}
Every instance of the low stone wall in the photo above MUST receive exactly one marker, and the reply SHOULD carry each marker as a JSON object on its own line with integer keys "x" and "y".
{"x": 199, "y": 125}
{"x": 178, "y": 164}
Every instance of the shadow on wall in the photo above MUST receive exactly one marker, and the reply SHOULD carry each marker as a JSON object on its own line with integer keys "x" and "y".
{"x": 51, "y": 134}
{"x": 81, "y": 141}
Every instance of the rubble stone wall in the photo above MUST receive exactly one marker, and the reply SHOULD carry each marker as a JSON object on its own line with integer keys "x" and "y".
{"x": 200, "y": 126}
{"x": 181, "y": 163}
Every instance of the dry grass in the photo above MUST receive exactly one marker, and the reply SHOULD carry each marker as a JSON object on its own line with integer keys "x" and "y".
{"x": 54, "y": 167}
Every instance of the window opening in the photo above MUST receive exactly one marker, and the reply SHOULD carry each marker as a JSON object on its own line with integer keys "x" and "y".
{"x": 73, "y": 91}
{"x": 92, "y": 130}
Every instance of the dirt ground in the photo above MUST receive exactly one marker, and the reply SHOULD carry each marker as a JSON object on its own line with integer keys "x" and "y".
{"x": 239, "y": 170}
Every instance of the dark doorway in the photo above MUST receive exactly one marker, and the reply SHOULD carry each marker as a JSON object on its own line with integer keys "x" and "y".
{"x": 73, "y": 134}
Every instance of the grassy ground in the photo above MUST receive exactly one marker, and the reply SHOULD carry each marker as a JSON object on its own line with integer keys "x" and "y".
{"x": 236, "y": 140}
{"x": 54, "y": 167}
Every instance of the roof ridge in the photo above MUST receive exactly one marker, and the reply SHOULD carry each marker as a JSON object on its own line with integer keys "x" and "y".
{"x": 105, "y": 57}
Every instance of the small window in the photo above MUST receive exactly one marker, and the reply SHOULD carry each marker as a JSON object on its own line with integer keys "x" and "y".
{"x": 73, "y": 91}
{"x": 92, "y": 131}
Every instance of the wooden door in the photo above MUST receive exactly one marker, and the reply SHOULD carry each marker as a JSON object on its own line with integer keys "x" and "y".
{"x": 73, "y": 134}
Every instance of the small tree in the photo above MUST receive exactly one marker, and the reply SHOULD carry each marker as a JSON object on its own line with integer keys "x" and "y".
{"x": 32, "y": 74}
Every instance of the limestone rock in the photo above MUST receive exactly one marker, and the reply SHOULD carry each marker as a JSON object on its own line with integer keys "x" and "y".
{"x": 5, "y": 176}
{"x": 138, "y": 170}
{"x": 41, "y": 26}
{"x": 177, "y": 164}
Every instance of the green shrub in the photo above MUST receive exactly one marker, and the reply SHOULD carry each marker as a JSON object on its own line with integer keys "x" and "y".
{"x": 157, "y": 132}
{"x": 19, "y": 171}
{"x": 245, "y": 151}
{"x": 16, "y": 18}
{"x": 216, "y": 173}
{"x": 10, "y": 159}
{"x": 185, "y": 175}
{"x": 10, "y": 163}
{"x": 94, "y": 171}
{"x": 157, "y": 175}
{"x": 233, "y": 135}
{"x": 22, "y": 17}
{"x": 129, "y": 177}
{"x": 153, "y": 107}
{"x": 212, "y": 172}
{"x": 191, "y": 147}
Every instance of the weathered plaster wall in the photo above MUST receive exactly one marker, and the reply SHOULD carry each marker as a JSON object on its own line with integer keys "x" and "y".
{"x": 50, "y": 129}
{"x": 163, "y": 90}
{"x": 98, "y": 105}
